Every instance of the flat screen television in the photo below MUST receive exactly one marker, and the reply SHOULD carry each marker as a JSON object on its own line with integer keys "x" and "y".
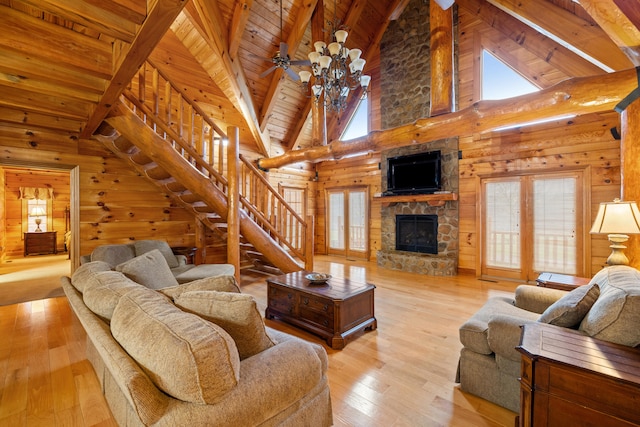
{"x": 414, "y": 174}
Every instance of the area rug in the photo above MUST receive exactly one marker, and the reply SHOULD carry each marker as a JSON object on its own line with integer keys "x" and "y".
{"x": 32, "y": 278}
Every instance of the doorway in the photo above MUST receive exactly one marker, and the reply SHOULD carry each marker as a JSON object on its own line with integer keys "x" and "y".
{"x": 533, "y": 223}
{"x": 347, "y": 222}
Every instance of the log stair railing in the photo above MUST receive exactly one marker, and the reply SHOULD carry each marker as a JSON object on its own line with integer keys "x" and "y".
{"x": 172, "y": 142}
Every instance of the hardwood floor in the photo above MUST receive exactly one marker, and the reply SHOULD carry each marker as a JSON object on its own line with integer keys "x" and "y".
{"x": 401, "y": 374}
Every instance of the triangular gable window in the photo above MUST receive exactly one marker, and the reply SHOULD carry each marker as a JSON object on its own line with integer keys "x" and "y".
{"x": 500, "y": 81}
{"x": 359, "y": 123}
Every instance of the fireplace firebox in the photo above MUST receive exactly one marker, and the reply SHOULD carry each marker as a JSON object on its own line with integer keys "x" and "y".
{"x": 417, "y": 233}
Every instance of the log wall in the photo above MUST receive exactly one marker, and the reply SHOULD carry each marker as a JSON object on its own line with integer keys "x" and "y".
{"x": 116, "y": 205}
{"x": 584, "y": 142}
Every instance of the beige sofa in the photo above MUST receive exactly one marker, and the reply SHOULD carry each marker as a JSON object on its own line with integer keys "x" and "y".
{"x": 608, "y": 308}
{"x": 117, "y": 254}
{"x": 195, "y": 354}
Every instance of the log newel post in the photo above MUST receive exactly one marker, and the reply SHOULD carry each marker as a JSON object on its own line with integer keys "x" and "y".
{"x": 308, "y": 244}
{"x": 233, "y": 195}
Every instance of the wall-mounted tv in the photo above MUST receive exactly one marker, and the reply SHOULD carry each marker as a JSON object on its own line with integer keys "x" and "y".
{"x": 414, "y": 174}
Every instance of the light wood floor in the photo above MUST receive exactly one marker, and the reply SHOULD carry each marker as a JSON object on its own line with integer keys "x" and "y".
{"x": 398, "y": 375}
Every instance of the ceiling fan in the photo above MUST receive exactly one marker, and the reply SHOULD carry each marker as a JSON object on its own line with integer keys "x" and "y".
{"x": 281, "y": 58}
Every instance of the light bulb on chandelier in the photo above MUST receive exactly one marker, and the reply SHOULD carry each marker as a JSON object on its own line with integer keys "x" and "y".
{"x": 335, "y": 70}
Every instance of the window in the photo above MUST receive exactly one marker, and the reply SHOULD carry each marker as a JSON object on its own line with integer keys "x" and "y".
{"x": 359, "y": 123}
{"x": 500, "y": 81}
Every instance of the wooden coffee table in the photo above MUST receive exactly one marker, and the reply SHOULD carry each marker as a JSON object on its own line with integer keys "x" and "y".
{"x": 335, "y": 310}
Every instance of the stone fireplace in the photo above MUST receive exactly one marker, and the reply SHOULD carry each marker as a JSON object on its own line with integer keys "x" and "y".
{"x": 441, "y": 258}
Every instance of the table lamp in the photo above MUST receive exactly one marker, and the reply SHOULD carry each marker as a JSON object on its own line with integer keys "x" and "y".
{"x": 617, "y": 219}
{"x": 37, "y": 211}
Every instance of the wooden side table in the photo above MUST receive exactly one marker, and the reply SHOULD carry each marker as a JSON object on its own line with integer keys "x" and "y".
{"x": 570, "y": 380}
{"x": 563, "y": 282}
{"x": 41, "y": 242}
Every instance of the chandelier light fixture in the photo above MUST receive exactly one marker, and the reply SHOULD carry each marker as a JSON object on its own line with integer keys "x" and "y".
{"x": 335, "y": 70}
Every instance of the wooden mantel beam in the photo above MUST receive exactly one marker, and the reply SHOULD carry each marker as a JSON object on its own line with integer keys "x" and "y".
{"x": 576, "y": 96}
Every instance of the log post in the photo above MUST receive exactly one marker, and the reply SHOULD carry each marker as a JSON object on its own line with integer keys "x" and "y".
{"x": 441, "y": 35}
{"x": 233, "y": 195}
{"x": 201, "y": 243}
{"x": 630, "y": 170}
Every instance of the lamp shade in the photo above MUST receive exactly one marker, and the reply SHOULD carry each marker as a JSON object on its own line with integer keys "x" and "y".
{"x": 37, "y": 211}
{"x": 617, "y": 217}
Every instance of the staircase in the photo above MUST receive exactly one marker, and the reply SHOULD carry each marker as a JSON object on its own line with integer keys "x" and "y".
{"x": 170, "y": 141}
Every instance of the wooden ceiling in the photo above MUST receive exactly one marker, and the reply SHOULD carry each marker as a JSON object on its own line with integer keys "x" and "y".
{"x": 63, "y": 63}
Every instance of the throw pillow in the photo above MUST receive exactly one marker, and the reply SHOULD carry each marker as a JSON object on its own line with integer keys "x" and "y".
{"x": 149, "y": 269}
{"x": 183, "y": 354}
{"x": 144, "y": 246}
{"x": 217, "y": 283}
{"x": 83, "y": 276}
{"x": 569, "y": 310}
{"x": 235, "y": 313}
{"x": 103, "y": 298}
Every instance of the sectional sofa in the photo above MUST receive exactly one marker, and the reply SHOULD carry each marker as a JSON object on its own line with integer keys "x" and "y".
{"x": 193, "y": 354}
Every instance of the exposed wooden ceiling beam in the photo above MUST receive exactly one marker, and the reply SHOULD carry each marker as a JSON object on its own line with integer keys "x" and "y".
{"x": 616, "y": 24}
{"x": 293, "y": 41}
{"x": 216, "y": 34}
{"x": 129, "y": 58}
{"x": 238, "y": 25}
{"x": 578, "y": 96}
{"x": 569, "y": 30}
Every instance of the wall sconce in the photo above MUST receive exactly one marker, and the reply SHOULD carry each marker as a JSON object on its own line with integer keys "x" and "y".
{"x": 617, "y": 219}
{"x": 37, "y": 211}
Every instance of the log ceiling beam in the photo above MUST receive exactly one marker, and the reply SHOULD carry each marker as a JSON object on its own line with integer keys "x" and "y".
{"x": 293, "y": 41}
{"x": 215, "y": 33}
{"x": 577, "y": 96}
{"x": 238, "y": 25}
{"x": 128, "y": 58}
{"x": 577, "y": 35}
{"x": 615, "y": 23}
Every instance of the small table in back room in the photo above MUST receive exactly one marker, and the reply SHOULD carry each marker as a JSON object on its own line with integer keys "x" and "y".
{"x": 335, "y": 310}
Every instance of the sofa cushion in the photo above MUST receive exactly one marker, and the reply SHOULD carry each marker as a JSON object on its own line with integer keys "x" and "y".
{"x": 615, "y": 316}
{"x": 235, "y": 313}
{"x": 569, "y": 310}
{"x": 85, "y": 273}
{"x": 144, "y": 246}
{"x": 103, "y": 297}
{"x": 149, "y": 269}
{"x": 113, "y": 254}
{"x": 218, "y": 283}
{"x": 185, "y": 355}
{"x": 206, "y": 270}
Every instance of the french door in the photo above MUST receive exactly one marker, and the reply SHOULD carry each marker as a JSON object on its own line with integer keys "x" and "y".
{"x": 347, "y": 222}
{"x": 532, "y": 223}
